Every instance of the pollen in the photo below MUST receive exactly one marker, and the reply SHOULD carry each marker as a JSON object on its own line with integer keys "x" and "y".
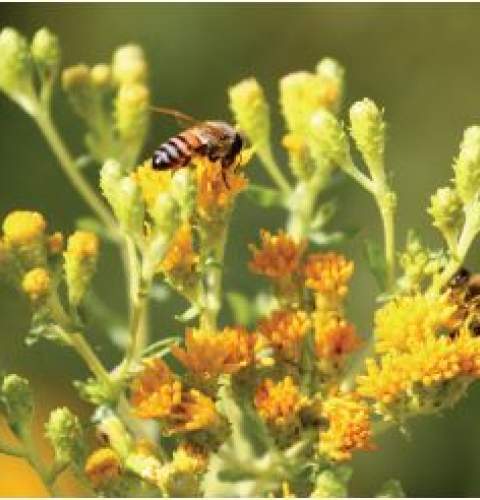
{"x": 23, "y": 227}
{"x": 279, "y": 403}
{"x": 102, "y": 466}
{"x": 216, "y": 187}
{"x": 334, "y": 336}
{"x": 285, "y": 330}
{"x": 229, "y": 351}
{"x": 36, "y": 283}
{"x": 278, "y": 256}
{"x": 151, "y": 182}
{"x": 83, "y": 245}
{"x": 328, "y": 274}
{"x": 180, "y": 257}
{"x": 349, "y": 427}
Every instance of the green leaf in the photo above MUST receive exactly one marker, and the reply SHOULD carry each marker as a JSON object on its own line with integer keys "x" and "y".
{"x": 160, "y": 346}
{"x": 376, "y": 262}
{"x": 265, "y": 197}
{"x": 188, "y": 315}
{"x": 391, "y": 489}
{"x": 324, "y": 214}
{"x": 324, "y": 239}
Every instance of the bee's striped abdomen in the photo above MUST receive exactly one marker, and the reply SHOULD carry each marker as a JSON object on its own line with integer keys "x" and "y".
{"x": 177, "y": 151}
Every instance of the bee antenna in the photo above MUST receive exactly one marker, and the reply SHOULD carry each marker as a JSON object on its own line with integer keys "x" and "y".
{"x": 176, "y": 114}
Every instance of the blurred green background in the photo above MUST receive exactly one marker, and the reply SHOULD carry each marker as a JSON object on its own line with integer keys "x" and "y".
{"x": 418, "y": 61}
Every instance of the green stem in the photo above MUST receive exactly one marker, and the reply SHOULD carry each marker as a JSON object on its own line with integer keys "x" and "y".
{"x": 273, "y": 170}
{"x": 13, "y": 451}
{"x": 387, "y": 215}
{"x": 69, "y": 167}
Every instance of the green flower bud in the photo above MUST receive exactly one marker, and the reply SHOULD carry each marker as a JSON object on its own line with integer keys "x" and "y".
{"x": 446, "y": 210}
{"x": 368, "y": 131}
{"x": 101, "y": 76}
{"x": 467, "y": 165}
{"x": 110, "y": 175}
{"x": 77, "y": 83}
{"x": 16, "y": 68}
{"x": 327, "y": 139}
{"x": 45, "y": 50}
{"x": 17, "y": 397}
{"x": 251, "y": 111}
{"x": 332, "y": 483}
{"x": 130, "y": 208}
{"x": 331, "y": 76}
{"x": 129, "y": 65}
{"x": 80, "y": 262}
{"x": 132, "y": 111}
{"x": 65, "y": 433}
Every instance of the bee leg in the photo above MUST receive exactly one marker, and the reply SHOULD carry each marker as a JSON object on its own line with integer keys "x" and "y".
{"x": 224, "y": 177}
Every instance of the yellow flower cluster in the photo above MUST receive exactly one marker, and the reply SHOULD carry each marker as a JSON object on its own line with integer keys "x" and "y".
{"x": 102, "y": 467}
{"x": 82, "y": 245}
{"x": 216, "y": 187}
{"x": 151, "y": 182}
{"x": 334, "y": 336}
{"x": 190, "y": 459}
{"x": 157, "y": 393}
{"x": 285, "y": 330}
{"x": 180, "y": 257}
{"x": 349, "y": 427}
{"x": 23, "y": 227}
{"x": 36, "y": 283}
{"x": 328, "y": 274}
{"x": 402, "y": 324}
{"x": 279, "y": 403}
{"x": 278, "y": 257}
{"x": 209, "y": 354}
{"x": 432, "y": 362}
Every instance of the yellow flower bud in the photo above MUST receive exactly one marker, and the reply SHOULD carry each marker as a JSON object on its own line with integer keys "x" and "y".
{"x": 132, "y": 111}
{"x": 467, "y": 165}
{"x": 23, "y": 227}
{"x": 102, "y": 467}
{"x": 331, "y": 76}
{"x": 129, "y": 65}
{"x": 446, "y": 210}
{"x": 16, "y": 394}
{"x": 16, "y": 68}
{"x": 36, "y": 283}
{"x": 327, "y": 139}
{"x": 251, "y": 111}
{"x": 77, "y": 83}
{"x": 75, "y": 77}
{"x": 46, "y": 52}
{"x": 368, "y": 131}
{"x": 80, "y": 261}
{"x": 101, "y": 75}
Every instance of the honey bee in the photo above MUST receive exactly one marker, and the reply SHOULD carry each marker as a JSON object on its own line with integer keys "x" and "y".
{"x": 465, "y": 292}
{"x": 216, "y": 140}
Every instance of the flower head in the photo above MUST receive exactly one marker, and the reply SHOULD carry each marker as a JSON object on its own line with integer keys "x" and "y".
{"x": 102, "y": 467}
{"x": 279, "y": 403}
{"x": 36, "y": 283}
{"x": 151, "y": 182}
{"x": 229, "y": 351}
{"x": 404, "y": 323}
{"x": 349, "y": 427}
{"x": 129, "y": 65}
{"x": 279, "y": 255}
{"x": 216, "y": 188}
{"x": 334, "y": 336}
{"x": 180, "y": 257}
{"x": 285, "y": 331}
{"x": 328, "y": 274}
{"x": 23, "y": 227}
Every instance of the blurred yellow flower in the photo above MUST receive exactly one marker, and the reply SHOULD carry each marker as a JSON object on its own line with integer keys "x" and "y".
{"x": 279, "y": 255}
{"x": 285, "y": 330}
{"x": 23, "y": 227}
{"x": 279, "y": 403}
{"x": 209, "y": 354}
{"x": 82, "y": 245}
{"x": 36, "y": 283}
{"x": 328, "y": 274}
{"x": 102, "y": 466}
{"x": 349, "y": 427}
{"x": 403, "y": 323}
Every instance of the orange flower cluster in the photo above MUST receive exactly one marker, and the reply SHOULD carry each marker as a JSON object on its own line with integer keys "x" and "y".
{"x": 349, "y": 427}
{"x": 180, "y": 257}
{"x": 157, "y": 393}
{"x": 209, "y": 354}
